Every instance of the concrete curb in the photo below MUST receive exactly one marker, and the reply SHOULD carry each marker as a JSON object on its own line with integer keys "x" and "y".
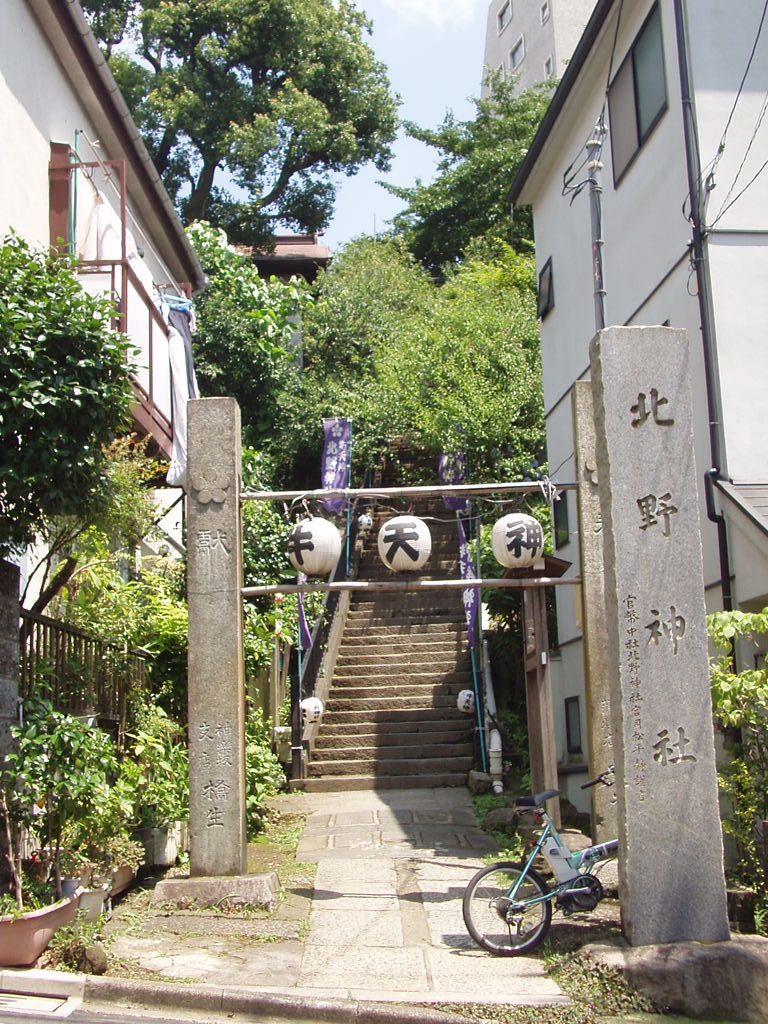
{"x": 211, "y": 998}
{"x": 25, "y": 982}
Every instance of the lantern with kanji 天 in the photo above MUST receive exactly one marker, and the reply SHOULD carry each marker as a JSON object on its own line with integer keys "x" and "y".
{"x": 405, "y": 543}
{"x": 311, "y": 709}
{"x": 314, "y": 546}
{"x": 517, "y": 541}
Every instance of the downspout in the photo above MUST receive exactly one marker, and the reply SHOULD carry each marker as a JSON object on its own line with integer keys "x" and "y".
{"x": 701, "y": 267}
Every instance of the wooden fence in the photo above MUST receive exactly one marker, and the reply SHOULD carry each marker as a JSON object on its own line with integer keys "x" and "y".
{"x": 75, "y": 672}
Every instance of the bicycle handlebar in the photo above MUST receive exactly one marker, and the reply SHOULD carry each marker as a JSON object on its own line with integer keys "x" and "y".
{"x": 607, "y": 778}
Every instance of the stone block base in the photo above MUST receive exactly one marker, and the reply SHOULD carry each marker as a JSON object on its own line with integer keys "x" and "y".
{"x": 234, "y": 890}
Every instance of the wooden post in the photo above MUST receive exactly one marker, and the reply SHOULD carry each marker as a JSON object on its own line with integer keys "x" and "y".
{"x": 538, "y": 691}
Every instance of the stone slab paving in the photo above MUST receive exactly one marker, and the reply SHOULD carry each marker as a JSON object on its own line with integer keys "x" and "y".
{"x": 384, "y": 923}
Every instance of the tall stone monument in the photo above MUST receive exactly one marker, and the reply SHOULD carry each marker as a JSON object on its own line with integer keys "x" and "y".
{"x": 605, "y": 822}
{"x": 671, "y": 876}
{"x": 216, "y": 671}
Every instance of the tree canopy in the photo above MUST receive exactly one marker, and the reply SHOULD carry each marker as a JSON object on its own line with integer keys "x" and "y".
{"x": 64, "y": 392}
{"x": 244, "y": 330}
{"x": 280, "y": 94}
{"x": 479, "y": 159}
{"x": 437, "y": 368}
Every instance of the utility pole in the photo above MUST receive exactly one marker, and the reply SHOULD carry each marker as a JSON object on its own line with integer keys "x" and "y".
{"x": 595, "y": 167}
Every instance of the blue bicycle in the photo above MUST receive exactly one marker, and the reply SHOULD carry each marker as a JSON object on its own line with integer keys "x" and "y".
{"x": 508, "y": 906}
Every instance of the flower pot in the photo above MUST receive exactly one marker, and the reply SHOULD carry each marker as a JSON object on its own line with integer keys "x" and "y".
{"x": 23, "y": 938}
{"x": 161, "y": 845}
{"x": 69, "y": 887}
{"x": 121, "y": 879}
{"x": 92, "y": 902}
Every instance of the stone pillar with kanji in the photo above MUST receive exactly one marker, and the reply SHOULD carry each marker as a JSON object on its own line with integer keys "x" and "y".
{"x": 671, "y": 878}
{"x": 216, "y": 670}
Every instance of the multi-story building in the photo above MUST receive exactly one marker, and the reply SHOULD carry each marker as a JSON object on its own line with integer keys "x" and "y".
{"x": 532, "y": 40}
{"x": 681, "y": 88}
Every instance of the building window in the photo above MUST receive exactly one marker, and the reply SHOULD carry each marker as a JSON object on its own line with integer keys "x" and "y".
{"x": 637, "y": 96}
{"x": 549, "y": 67}
{"x": 572, "y": 725}
{"x": 504, "y": 16}
{"x": 546, "y": 299}
{"x": 560, "y": 521}
{"x": 517, "y": 53}
{"x": 545, "y": 12}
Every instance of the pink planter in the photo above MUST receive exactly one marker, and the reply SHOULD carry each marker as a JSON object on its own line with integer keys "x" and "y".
{"x": 23, "y": 939}
{"x": 121, "y": 879}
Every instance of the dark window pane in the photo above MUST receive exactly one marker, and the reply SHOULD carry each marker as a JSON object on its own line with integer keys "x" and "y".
{"x": 623, "y": 123}
{"x": 650, "y": 84}
{"x": 572, "y": 725}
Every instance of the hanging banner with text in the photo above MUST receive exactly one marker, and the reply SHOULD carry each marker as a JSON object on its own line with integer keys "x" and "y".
{"x": 335, "y": 465}
{"x": 452, "y": 472}
{"x": 471, "y": 595}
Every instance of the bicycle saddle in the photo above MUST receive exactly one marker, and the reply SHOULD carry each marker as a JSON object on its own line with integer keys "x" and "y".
{"x": 538, "y": 799}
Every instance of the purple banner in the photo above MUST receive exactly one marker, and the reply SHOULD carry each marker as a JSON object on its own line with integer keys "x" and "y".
{"x": 335, "y": 466}
{"x": 451, "y": 471}
{"x": 471, "y": 596}
{"x": 305, "y": 635}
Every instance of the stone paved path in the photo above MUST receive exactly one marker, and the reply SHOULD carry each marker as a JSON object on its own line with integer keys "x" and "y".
{"x": 384, "y": 917}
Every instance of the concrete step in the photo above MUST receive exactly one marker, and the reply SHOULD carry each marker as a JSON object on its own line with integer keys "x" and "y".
{"x": 397, "y": 676}
{"x": 389, "y": 658}
{"x": 374, "y": 766}
{"x": 387, "y": 738}
{"x": 383, "y": 732}
{"x": 406, "y": 629}
{"x": 364, "y": 705}
{"x": 395, "y": 714}
{"x": 344, "y": 783}
{"x": 443, "y": 751}
{"x": 394, "y": 615}
{"x": 423, "y": 644}
{"x": 425, "y": 692}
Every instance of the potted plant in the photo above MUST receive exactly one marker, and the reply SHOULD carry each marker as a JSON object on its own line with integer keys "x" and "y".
{"x": 27, "y": 923}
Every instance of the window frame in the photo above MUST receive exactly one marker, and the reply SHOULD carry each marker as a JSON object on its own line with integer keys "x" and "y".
{"x": 545, "y": 294}
{"x": 573, "y": 745}
{"x": 502, "y": 25}
{"x": 545, "y": 12}
{"x": 641, "y": 138}
{"x": 549, "y": 72}
{"x": 518, "y": 45}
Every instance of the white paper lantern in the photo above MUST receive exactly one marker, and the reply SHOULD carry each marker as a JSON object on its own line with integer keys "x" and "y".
{"x": 466, "y": 702}
{"x": 517, "y": 541}
{"x": 311, "y": 709}
{"x": 314, "y": 546}
{"x": 405, "y": 543}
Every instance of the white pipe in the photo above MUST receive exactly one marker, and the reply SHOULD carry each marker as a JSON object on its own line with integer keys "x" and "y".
{"x": 494, "y": 762}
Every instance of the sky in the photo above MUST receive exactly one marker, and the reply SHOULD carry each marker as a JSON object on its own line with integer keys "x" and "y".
{"x": 433, "y": 50}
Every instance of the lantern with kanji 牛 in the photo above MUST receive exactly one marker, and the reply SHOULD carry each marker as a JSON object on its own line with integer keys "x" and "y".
{"x": 517, "y": 541}
{"x": 311, "y": 709}
{"x": 314, "y": 546}
{"x": 405, "y": 543}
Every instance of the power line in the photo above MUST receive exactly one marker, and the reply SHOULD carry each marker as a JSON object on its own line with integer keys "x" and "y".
{"x": 726, "y": 205}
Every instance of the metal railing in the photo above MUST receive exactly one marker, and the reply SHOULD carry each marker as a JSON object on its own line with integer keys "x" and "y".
{"x": 77, "y": 673}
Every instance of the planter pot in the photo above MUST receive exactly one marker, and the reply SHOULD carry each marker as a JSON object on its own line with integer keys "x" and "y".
{"x": 23, "y": 939}
{"x": 69, "y": 887}
{"x": 121, "y": 879}
{"x": 92, "y": 902}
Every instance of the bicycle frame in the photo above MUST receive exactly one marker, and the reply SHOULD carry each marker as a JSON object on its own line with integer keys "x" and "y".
{"x": 565, "y": 865}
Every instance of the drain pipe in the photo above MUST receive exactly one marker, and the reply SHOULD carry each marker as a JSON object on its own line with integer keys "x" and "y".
{"x": 495, "y": 767}
{"x": 703, "y": 287}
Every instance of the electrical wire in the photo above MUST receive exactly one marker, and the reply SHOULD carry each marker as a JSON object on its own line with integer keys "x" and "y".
{"x": 726, "y": 204}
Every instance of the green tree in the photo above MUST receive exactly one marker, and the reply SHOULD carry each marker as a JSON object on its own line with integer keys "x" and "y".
{"x": 479, "y": 159}
{"x": 244, "y": 330}
{"x": 64, "y": 392}
{"x": 435, "y": 367}
{"x": 281, "y": 94}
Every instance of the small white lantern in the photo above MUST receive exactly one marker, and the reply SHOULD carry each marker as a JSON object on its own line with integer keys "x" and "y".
{"x": 466, "y": 702}
{"x": 311, "y": 709}
{"x": 405, "y": 543}
{"x": 364, "y": 524}
{"x": 517, "y": 541}
{"x": 314, "y": 546}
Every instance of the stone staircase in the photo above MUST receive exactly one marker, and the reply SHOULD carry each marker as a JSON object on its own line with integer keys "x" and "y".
{"x": 391, "y": 719}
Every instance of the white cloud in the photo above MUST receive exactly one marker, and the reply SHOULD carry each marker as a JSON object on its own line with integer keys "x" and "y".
{"x": 439, "y": 13}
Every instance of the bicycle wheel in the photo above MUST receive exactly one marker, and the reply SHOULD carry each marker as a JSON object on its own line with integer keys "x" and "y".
{"x": 502, "y": 926}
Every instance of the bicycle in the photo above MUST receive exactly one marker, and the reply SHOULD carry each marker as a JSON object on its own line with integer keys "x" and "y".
{"x": 507, "y": 906}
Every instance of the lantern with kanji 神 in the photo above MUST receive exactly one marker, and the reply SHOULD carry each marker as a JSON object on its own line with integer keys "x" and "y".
{"x": 311, "y": 709}
{"x": 314, "y": 546}
{"x": 517, "y": 541}
{"x": 405, "y": 543}
{"x": 465, "y": 701}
